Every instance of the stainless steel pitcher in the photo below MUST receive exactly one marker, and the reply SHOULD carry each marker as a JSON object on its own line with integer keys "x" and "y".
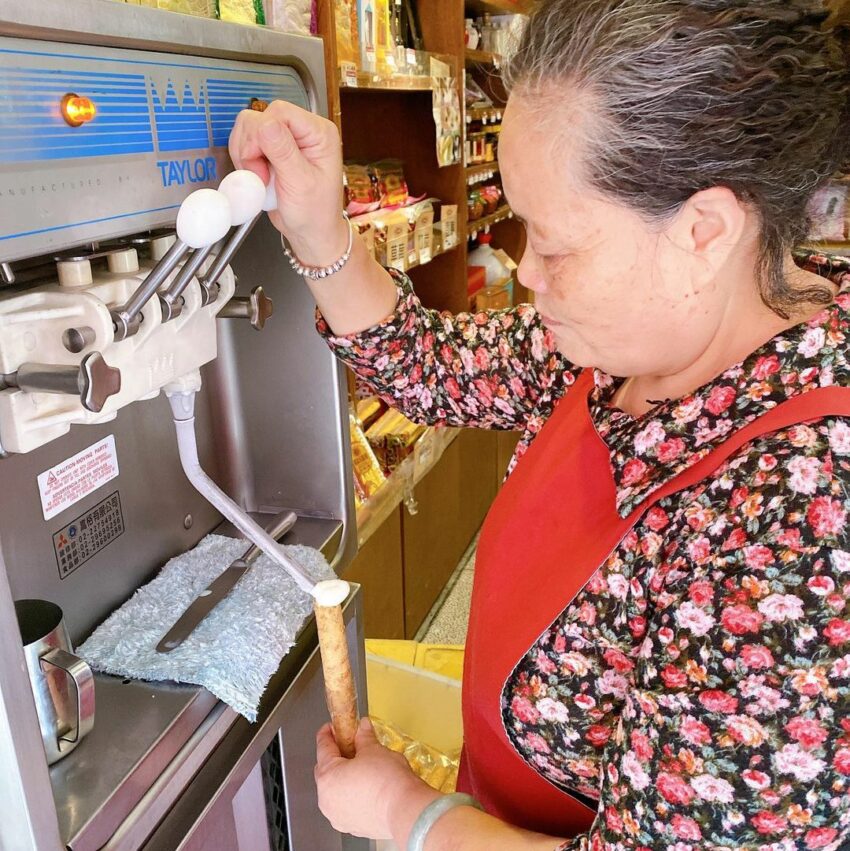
{"x": 62, "y": 683}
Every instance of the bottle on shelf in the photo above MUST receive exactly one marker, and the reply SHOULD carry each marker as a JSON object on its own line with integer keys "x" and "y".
{"x": 472, "y": 36}
{"x": 496, "y": 272}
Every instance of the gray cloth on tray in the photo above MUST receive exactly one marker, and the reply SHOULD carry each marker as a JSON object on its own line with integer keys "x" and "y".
{"x": 240, "y": 644}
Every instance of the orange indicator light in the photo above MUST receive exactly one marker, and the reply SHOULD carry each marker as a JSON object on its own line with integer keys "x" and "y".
{"x": 77, "y": 110}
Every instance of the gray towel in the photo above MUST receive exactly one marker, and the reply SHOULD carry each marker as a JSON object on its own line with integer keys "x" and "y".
{"x": 240, "y": 644}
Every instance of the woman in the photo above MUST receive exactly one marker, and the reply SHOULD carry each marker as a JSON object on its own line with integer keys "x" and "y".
{"x": 659, "y": 646}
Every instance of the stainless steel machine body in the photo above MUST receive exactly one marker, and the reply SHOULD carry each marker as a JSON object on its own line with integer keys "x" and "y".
{"x": 166, "y": 766}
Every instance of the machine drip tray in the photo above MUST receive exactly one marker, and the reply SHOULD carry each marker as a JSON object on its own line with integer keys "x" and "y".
{"x": 148, "y": 740}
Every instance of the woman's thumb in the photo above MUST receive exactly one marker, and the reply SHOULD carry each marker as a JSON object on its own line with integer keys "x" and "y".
{"x": 365, "y": 734}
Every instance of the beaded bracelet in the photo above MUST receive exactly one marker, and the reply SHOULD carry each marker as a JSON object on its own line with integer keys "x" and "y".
{"x": 437, "y": 808}
{"x": 315, "y": 273}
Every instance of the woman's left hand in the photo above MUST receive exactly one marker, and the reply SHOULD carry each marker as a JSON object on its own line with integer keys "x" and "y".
{"x": 355, "y": 795}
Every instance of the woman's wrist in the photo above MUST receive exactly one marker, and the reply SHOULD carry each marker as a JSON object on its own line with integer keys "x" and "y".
{"x": 322, "y": 246}
{"x": 404, "y": 805}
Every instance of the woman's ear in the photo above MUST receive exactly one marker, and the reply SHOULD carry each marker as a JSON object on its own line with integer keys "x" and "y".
{"x": 711, "y": 225}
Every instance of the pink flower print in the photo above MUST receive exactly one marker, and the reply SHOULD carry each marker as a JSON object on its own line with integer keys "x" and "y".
{"x": 694, "y": 731}
{"x": 700, "y": 549}
{"x": 584, "y": 701}
{"x": 823, "y": 586}
{"x": 538, "y": 347}
{"x": 656, "y": 519}
{"x": 631, "y": 767}
{"x": 641, "y": 745}
{"x": 765, "y": 367}
{"x": 841, "y": 668}
{"x": 701, "y": 592}
{"x": 710, "y": 788}
{"x": 793, "y": 760}
{"x": 688, "y": 410}
{"x": 673, "y": 677}
{"x": 718, "y": 701}
{"x": 618, "y": 586}
{"x": 669, "y": 450}
{"x": 812, "y": 342}
{"x": 756, "y": 779}
{"x": 807, "y": 731}
{"x": 746, "y": 730}
{"x": 779, "y": 608}
{"x": 837, "y": 632}
{"x": 820, "y": 837}
{"x": 757, "y": 656}
{"x": 598, "y": 735}
{"x": 648, "y": 437}
{"x": 553, "y": 710}
{"x": 766, "y": 822}
{"x": 686, "y": 828}
{"x": 524, "y": 710}
{"x": 612, "y": 683}
{"x": 758, "y": 556}
{"x": 841, "y": 761}
{"x": 537, "y": 743}
{"x": 674, "y": 789}
{"x": 741, "y": 619}
{"x": 767, "y": 462}
{"x": 839, "y": 437}
{"x": 840, "y": 560}
{"x": 804, "y": 474}
{"x": 695, "y": 619}
{"x": 544, "y": 664}
{"x": 720, "y": 399}
{"x": 633, "y": 471}
{"x": 802, "y": 436}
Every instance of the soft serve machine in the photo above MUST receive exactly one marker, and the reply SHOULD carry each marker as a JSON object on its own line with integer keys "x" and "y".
{"x": 110, "y": 115}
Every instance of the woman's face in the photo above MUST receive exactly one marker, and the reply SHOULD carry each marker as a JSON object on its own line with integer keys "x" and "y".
{"x": 616, "y": 293}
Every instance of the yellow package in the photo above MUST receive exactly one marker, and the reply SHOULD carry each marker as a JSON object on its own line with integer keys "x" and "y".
{"x": 347, "y": 39}
{"x": 199, "y": 8}
{"x": 437, "y": 769}
{"x": 369, "y": 476}
{"x": 238, "y": 11}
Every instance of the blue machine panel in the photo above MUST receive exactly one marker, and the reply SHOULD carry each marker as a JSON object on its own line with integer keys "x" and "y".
{"x": 160, "y": 131}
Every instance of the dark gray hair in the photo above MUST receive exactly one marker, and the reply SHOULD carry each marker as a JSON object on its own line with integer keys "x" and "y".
{"x": 689, "y": 94}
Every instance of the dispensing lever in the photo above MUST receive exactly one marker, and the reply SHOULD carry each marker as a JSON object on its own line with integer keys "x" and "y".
{"x": 127, "y": 318}
{"x": 208, "y": 282}
{"x": 171, "y": 301}
{"x": 257, "y": 308}
{"x": 94, "y": 381}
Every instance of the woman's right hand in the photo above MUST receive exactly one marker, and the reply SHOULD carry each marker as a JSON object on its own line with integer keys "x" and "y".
{"x": 305, "y": 153}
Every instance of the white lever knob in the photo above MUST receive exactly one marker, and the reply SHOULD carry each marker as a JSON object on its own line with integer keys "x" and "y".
{"x": 204, "y": 218}
{"x": 271, "y": 195}
{"x": 246, "y": 194}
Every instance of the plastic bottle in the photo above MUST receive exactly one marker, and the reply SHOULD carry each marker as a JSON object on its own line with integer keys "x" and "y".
{"x": 483, "y": 256}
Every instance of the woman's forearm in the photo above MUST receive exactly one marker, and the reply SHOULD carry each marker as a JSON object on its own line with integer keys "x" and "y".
{"x": 361, "y": 295}
{"x": 461, "y": 828}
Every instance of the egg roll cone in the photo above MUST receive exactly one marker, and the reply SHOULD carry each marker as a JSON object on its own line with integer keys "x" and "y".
{"x": 339, "y": 682}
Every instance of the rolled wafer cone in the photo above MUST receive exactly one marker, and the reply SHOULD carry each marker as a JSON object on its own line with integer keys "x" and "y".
{"x": 339, "y": 682}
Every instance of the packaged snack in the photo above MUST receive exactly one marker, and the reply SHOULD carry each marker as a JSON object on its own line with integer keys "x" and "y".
{"x": 347, "y": 43}
{"x": 199, "y": 8}
{"x": 366, "y": 28}
{"x": 292, "y": 16}
{"x": 475, "y": 205}
{"x": 361, "y": 186}
{"x": 368, "y": 410}
{"x": 241, "y": 11}
{"x": 392, "y": 187}
{"x": 367, "y": 470}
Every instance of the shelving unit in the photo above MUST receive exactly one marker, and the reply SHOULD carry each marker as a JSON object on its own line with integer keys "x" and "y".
{"x": 453, "y": 475}
{"x": 484, "y": 224}
{"x": 482, "y": 57}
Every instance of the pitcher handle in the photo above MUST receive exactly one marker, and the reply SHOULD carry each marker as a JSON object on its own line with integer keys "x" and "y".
{"x": 83, "y": 678}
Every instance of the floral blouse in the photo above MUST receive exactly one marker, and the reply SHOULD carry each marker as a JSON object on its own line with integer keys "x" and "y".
{"x": 698, "y": 688}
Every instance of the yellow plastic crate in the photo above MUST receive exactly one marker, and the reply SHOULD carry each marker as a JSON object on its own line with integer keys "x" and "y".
{"x": 416, "y": 687}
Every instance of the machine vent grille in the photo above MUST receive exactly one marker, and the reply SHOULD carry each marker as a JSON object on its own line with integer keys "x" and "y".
{"x": 272, "y": 768}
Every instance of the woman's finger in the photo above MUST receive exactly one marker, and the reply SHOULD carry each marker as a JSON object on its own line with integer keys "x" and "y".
{"x": 326, "y": 747}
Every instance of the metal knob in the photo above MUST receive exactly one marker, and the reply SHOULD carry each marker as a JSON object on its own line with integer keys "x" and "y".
{"x": 257, "y": 308}
{"x": 94, "y": 381}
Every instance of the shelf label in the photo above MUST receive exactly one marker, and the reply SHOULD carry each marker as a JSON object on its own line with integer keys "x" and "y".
{"x": 348, "y": 74}
{"x": 67, "y": 483}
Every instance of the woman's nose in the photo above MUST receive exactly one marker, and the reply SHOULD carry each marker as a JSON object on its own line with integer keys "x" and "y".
{"x": 529, "y": 272}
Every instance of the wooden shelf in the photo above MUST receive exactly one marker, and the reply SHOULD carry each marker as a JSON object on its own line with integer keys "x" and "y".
{"x": 479, "y": 225}
{"x": 395, "y": 83}
{"x": 481, "y": 171}
{"x": 840, "y": 248}
{"x": 484, "y": 113}
{"x": 498, "y": 7}
{"x": 481, "y": 57}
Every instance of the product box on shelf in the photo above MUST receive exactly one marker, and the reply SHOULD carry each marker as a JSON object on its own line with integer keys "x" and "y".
{"x": 366, "y": 30}
{"x": 347, "y": 40}
{"x": 392, "y": 438}
{"x": 422, "y": 241}
{"x": 496, "y": 297}
{"x": 448, "y": 225}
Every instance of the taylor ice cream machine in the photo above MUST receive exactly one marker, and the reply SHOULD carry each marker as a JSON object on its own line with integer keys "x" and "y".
{"x": 110, "y": 115}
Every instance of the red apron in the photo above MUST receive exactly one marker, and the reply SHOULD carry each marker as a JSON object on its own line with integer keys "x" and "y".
{"x": 550, "y": 528}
